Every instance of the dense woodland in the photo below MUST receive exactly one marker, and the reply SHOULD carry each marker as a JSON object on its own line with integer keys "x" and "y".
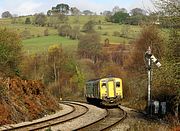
{"x": 65, "y": 72}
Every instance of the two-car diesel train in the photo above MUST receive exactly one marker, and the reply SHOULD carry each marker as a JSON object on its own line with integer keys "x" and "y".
{"x": 106, "y": 91}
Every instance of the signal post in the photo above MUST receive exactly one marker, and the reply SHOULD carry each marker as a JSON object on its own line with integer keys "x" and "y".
{"x": 149, "y": 59}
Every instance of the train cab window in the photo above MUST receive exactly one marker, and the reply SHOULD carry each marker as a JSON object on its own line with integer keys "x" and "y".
{"x": 103, "y": 84}
{"x": 117, "y": 84}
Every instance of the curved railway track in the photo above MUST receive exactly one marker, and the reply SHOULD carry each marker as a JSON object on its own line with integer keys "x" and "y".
{"x": 78, "y": 110}
{"x": 82, "y": 117}
{"x": 114, "y": 116}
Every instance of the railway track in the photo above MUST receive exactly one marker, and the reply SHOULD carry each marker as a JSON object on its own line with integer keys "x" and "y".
{"x": 114, "y": 116}
{"x": 77, "y": 111}
{"x": 82, "y": 117}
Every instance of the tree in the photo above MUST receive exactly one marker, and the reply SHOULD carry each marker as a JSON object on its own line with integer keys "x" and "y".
{"x": 110, "y": 69}
{"x": 61, "y": 8}
{"x": 115, "y": 9}
{"x": 56, "y": 19}
{"x": 75, "y": 11}
{"x": 53, "y": 21}
{"x": 56, "y": 57}
{"x": 167, "y": 80}
{"x": 136, "y": 19}
{"x": 108, "y": 15}
{"x": 62, "y": 18}
{"x": 87, "y": 12}
{"x": 173, "y": 46}
{"x": 134, "y": 64}
{"x": 61, "y": 70}
{"x": 89, "y": 26}
{"x": 40, "y": 19}
{"x": 167, "y": 7}
{"x": 6, "y": 14}
{"x": 49, "y": 13}
{"x": 89, "y": 46}
{"x": 119, "y": 17}
{"x": 75, "y": 32}
{"x": 137, "y": 11}
{"x": 64, "y": 30}
{"x": 10, "y": 52}
{"x": 170, "y": 11}
{"x": 123, "y": 10}
{"x": 31, "y": 66}
{"x": 150, "y": 36}
{"x": 28, "y": 20}
{"x": 138, "y": 16}
{"x": 46, "y": 32}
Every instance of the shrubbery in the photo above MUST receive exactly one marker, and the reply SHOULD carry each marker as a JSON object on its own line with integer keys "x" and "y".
{"x": 10, "y": 51}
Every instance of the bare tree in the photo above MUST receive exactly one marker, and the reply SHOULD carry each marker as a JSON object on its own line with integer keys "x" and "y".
{"x": 167, "y": 7}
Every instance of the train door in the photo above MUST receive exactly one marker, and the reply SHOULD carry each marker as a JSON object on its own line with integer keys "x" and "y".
{"x": 111, "y": 90}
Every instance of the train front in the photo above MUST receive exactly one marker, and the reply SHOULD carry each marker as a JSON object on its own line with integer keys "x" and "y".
{"x": 111, "y": 91}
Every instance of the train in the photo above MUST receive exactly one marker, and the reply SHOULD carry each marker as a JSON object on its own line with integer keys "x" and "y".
{"x": 104, "y": 91}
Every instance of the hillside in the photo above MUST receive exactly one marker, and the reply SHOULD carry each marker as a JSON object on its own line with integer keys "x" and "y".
{"x": 65, "y": 51}
{"x": 35, "y": 42}
{"x": 24, "y": 100}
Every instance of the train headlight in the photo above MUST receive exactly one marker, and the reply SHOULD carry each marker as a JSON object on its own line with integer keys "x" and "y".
{"x": 104, "y": 85}
{"x": 104, "y": 95}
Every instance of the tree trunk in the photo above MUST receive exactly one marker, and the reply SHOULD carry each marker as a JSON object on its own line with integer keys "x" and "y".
{"x": 55, "y": 73}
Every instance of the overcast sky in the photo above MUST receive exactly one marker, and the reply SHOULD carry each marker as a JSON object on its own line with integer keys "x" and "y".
{"x": 27, "y": 7}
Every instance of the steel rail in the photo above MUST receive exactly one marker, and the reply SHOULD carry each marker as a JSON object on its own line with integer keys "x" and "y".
{"x": 31, "y": 126}
{"x": 63, "y": 121}
{"x": 104, "y": 121}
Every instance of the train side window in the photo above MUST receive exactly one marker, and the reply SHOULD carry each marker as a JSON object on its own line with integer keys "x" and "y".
{"x": 117, "y": 84}
{"x": 103, "y": 84}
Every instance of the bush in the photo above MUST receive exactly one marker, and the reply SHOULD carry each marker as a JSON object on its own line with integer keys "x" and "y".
{"x": 136, "y": 78}
{"x": 38, "y": 35}
{"x": 105, "y": 33}
{"x": 99, "y": 27}
{"x": 89, "y": 27}
{"x": 10, "y": 51}
{"x": 46, "y": 32}
{"x": 28, "y": 20}
{"x": 26, "y": 34}
{"x": 119, "y": 17}
{"x": 75, "y": 33}
{"x": 64, "y": 30}
{"x": 40, "y": 19}
{"x": 3, "y": 90}
{"x": 116, "y": 33}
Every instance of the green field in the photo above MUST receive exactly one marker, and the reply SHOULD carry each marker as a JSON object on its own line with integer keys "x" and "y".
{"x": 38, "y": 42}
{"x": 41, "y": 44}
{"x": 34, "y": 30}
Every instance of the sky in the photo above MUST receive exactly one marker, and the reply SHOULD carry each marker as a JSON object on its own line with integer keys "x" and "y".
{"x": 28, "y": 7}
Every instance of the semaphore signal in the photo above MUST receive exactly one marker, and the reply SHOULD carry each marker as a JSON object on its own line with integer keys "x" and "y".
{"x": 149, "y": 59}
